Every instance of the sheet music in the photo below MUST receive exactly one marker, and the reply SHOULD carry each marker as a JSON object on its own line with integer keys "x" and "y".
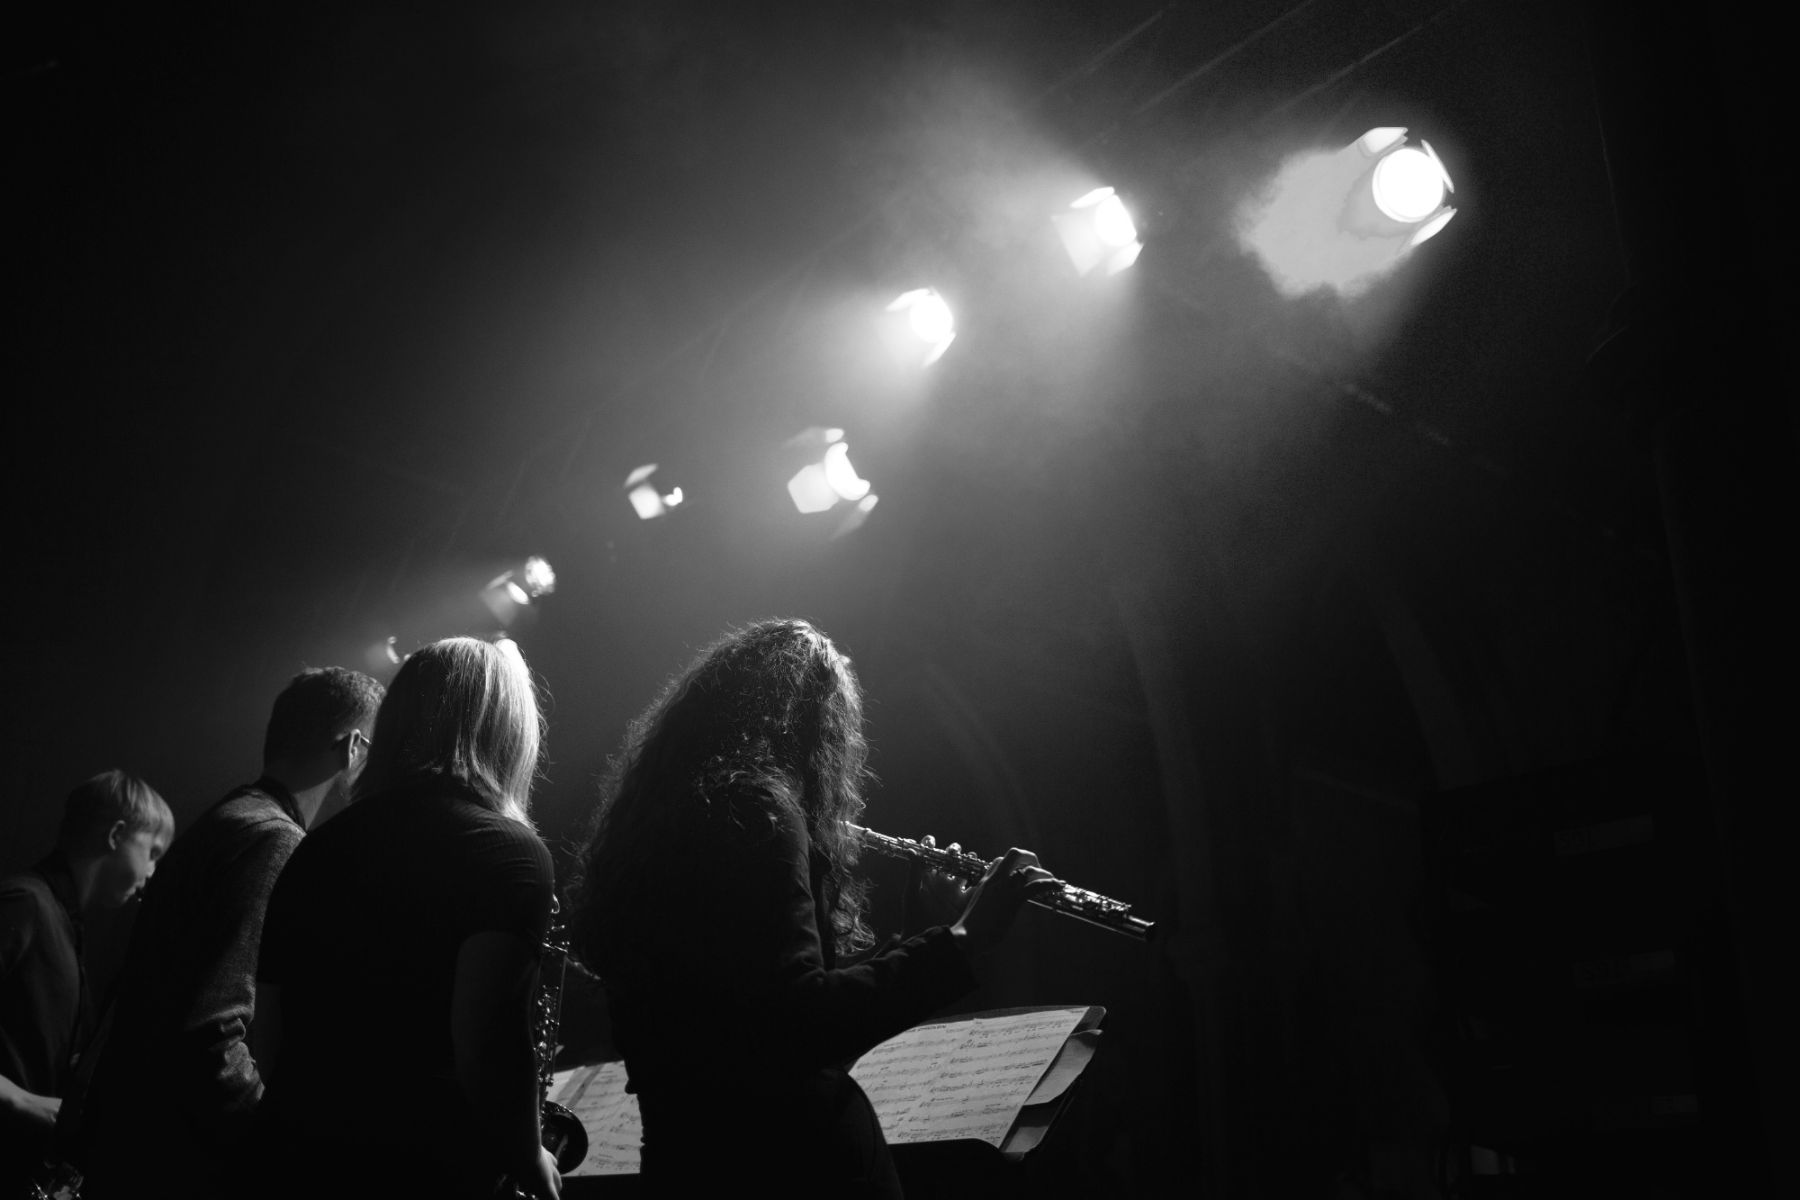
{"x": 961, "y": 1079}
{"x": 597, "y": 1096}
{"x": 953, "y": 1079}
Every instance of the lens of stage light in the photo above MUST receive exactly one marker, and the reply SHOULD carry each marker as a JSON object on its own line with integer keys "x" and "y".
{"x": 539, "y": 578}
{"x": 1113, "y": 223}
{"x": 931, "y": 317}
{"x": 841, "y": 475}
{"x": 645, "y": 502}
{"x": 519, "y": 595}
{"x": 810, "y": 490}
{"x": 1409, "y": 184}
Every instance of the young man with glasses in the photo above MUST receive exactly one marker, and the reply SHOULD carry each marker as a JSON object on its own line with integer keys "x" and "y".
{"x": 175, "y": 1084}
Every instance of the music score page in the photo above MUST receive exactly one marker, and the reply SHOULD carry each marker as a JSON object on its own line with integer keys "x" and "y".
{"x": 961, "y": 1079}
{"x": 952, "y": 1079}
{"x": 609, "y": 1113}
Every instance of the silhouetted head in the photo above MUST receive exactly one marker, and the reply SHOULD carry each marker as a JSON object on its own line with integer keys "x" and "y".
{"x": 772, "y": 709}
{"x": 318, "y": 733}
{"x": 114, "y": 829}
{"x": 464, "y": 709}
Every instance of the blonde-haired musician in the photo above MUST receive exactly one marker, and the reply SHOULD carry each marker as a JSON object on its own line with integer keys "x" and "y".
{"x": 399, "y": 957}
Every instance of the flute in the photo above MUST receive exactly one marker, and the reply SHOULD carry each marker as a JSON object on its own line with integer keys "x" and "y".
{"x": 1069, "y": 900}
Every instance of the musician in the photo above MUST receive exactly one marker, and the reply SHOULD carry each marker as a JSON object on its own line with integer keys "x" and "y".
{"x": 398, "y": 974}
{"x": 175, "y": 1085}
{"x": 115, "y": 828}
{"x": 716, "y": 899}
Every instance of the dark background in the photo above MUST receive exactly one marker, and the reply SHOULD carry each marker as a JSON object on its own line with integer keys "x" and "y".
{"x": 1309, "y": 627}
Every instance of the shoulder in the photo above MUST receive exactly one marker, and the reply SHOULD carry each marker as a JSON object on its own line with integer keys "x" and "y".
{"x": 27, "y": 909}
{"x": 496, "y": 836}
{"x": 25, "y": 883}
{"x": 246, "y": 817}
{"x": 753, "y": 807}
{"x": 26, "y": 891}
{"x": 757, "y": 826}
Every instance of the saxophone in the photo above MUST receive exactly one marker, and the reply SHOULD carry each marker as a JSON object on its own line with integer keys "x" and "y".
{"x": 1068, "y": 900}
{"x": 563, "y": 1134}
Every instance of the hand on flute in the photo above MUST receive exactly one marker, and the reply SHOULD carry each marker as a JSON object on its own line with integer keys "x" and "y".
{"x": 1011, "y": 880}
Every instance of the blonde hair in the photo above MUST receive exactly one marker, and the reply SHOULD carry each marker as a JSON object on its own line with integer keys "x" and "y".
{"x": 461, "y": 708}
{"x": 96, "y": 804}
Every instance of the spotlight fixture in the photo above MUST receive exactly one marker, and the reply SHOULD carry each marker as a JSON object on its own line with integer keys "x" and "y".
{"x": 516, "y": 588}
{"x": 1343, "y": 219}
{"x": 931, "y": 320}
{"x": 830, "y": 479}
{"x": 1098, "y": 231}
{"x": 538, "y": 578}
{"x": 1403, "y": 191}
{"x": 383, "y": 656}
{"x": 646, "y": 498}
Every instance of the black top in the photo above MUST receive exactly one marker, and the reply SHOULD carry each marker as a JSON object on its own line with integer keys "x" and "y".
{"x": 362, "y": 938}
{"x": 45, "y": 1012}
{"x": 175, "y": 1085}
{"x": 735, "y": 1021}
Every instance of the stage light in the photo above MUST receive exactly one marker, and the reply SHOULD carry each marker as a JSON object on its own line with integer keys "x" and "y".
{"x": 830, "y": 479}
{"x": 540, "y": 580}
{"x": 841, "y": 475}
{"x": 646, "y": 498}
{"x": 1397, "y": 189}
{"x": 1344, "y": 219}
{"x": 517, "y": 587}
{"x": 1409, "y": 185}
{"x": 1098, "y": 230}
{"x": 931, "y": 319}
{"x": 383, "y": 656}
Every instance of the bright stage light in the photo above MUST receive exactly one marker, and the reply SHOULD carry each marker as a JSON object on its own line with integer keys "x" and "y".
{"x": 830, "y": 479}
{"x": 515, "y": 588}
{"x": 646, "y": 498}
{"x": 1345, "y": 219}
{"x": 931, "y": 319}
{"x": 841, "y": 475}
{"x": 1098, "y": 230}
{"x": 540, "y": 580}
{"x": 1409, "y": 185}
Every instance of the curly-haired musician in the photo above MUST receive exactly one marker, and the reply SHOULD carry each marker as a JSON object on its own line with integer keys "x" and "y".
{"x": 399, "y": 957}
{"x": 717, "y": 896}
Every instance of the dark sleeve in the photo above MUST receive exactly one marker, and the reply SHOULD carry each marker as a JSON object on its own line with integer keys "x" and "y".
{"x": 230, "y": 933}
{"x": 508, "y": 881}
{"x": 18, "y": 925}
{"x": 768, "y": 956}
{"x": 278, "y": 931}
